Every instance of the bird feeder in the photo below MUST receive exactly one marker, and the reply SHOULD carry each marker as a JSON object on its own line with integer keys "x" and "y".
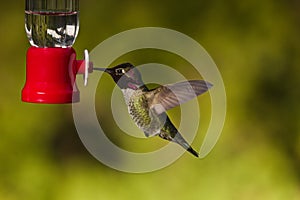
{"x": 51, "y": 66}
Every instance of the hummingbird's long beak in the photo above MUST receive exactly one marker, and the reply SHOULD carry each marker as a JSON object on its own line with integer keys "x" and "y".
{"x": 107, "y": 70}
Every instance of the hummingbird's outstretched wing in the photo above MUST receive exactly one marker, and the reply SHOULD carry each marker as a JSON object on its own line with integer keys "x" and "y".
{"x": 169, "y": 96}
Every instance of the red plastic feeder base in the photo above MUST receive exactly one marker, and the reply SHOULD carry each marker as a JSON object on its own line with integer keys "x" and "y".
{"x": 50, "y": 76}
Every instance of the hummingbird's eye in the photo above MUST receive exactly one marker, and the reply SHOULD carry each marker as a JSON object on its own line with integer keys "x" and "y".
{"x": 120, "y": 71}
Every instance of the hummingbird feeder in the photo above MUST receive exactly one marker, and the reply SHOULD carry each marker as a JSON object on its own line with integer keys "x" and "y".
{"x": 51, "y": 66}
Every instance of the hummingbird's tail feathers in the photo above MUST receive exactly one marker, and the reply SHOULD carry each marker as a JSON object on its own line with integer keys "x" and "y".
{"x": 192, "y": 151}
{"x": 182, "y": 142}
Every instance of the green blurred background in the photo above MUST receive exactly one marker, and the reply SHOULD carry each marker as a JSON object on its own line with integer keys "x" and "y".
{"x": 255, "y": 44}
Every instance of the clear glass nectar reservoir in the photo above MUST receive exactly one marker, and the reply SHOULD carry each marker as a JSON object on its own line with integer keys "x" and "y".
{"x": 52, "y": 23}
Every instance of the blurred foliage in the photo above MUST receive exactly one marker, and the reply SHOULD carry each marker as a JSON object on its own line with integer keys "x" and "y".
{"x": 256, "y": 46}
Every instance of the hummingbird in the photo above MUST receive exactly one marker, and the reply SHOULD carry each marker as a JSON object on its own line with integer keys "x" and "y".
{"x": 147, "y": 107}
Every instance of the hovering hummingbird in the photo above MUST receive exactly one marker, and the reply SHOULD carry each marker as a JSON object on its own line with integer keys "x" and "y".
{"x": 147, "y": 108}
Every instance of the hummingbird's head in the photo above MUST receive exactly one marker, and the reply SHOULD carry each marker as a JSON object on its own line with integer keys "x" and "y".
{"x": 125, "y": 75}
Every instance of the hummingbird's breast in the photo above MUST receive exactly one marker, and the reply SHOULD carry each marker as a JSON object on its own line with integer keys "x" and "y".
{"x": 138, "y": 108}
